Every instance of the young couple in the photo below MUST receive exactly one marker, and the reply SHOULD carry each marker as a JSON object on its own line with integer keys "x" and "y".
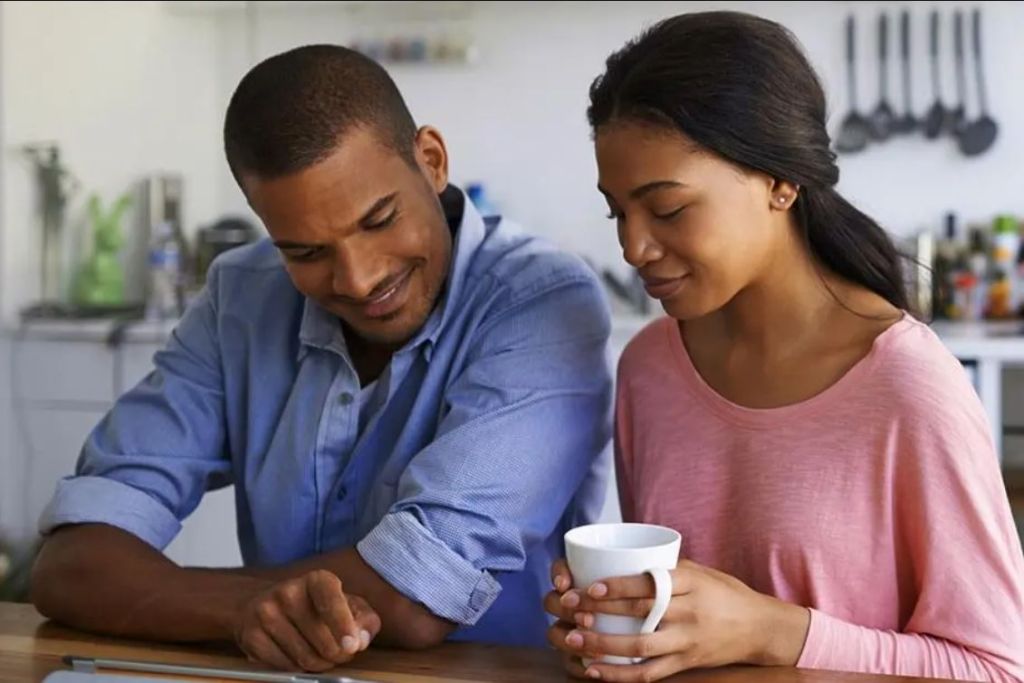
{"x": 412, "y": 402}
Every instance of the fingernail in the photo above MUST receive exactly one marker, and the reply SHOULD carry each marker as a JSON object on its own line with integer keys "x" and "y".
{"x": 561, "y": 583}
{"x": 598, "y": 590}
{"x": 364, "y": 636}
{"x": 349, "y": 644}
{"x": 570, "y": 599}
{"x": 584, "y": 619}
{"x": 574, "y": 639}
{"x": 593, "y": 673}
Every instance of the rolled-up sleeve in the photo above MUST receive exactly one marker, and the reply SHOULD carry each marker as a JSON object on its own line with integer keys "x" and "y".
{"x": 147, "y": 464}
{"x": 400, "y": 548}
{"x": 103, "y": 500}
{"x": 525, "y": 423}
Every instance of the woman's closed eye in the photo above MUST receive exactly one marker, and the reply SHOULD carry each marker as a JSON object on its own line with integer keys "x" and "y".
{"x": 668, "y": 215}
{"x": 663, "y": 216}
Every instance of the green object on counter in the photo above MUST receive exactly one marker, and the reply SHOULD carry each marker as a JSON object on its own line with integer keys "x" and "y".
{"x": 1005, "y": 224}
{"x": 101, "y": 280}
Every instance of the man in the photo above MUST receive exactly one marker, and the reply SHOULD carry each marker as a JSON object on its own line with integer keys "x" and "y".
{"x": 411, "y": 402}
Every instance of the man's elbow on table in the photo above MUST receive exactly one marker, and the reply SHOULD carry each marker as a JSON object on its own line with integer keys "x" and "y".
{"x": 413, "y": 627}
{"x": 41, "y": 592}
{"x": 52, "y": 571}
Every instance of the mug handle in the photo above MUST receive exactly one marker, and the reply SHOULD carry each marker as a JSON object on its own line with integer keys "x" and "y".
{"x": 662, "y": 597}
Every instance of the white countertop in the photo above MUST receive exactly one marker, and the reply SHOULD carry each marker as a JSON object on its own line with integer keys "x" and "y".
{"x": 94, "y": 330}
{"x": 992, "y": 339}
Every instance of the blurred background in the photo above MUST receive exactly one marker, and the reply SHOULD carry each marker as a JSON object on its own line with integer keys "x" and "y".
{"x": 115, "y": 194}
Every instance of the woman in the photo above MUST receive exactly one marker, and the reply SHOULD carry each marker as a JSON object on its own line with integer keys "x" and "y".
{"x": 823, "y": 456}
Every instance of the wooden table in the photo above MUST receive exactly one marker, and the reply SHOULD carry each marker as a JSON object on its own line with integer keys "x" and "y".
{"x": 31, "y": 647}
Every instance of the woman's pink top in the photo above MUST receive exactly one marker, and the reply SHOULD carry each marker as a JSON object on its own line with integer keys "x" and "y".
{"x": 877, "y": 503}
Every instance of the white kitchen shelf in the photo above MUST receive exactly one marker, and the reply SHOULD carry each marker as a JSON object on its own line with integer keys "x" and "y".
{"x": 98, "y": 330}
{"x": 392, "y": 8}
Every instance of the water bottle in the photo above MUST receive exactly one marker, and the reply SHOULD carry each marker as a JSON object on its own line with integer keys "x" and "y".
{"x": 478, "y": 194}
{"x": 164, "y": 274}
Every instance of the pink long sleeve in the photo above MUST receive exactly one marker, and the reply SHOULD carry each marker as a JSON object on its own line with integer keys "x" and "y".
{"x": 878, "y": 503}
{"x": 841, "y": 646}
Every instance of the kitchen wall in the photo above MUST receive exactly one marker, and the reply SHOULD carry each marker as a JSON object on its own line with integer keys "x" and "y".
{"x": 126, "y": 89}
{"x": 130, "y": 88}
{"x": 517, "y": 121}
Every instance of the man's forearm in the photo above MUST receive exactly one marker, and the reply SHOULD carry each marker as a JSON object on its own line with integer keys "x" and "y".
{"x": 102, "y": 579}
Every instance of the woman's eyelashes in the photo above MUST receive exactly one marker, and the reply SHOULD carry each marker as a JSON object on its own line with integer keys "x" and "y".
{"x": 662, "y": 216}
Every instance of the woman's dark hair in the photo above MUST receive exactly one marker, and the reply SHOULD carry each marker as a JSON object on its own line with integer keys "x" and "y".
{"x": 740, "y": 86}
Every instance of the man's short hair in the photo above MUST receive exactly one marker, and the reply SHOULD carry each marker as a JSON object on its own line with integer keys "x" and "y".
{"x": 291, "y": 110}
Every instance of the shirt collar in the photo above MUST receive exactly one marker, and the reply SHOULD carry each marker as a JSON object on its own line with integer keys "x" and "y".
{"x": 321, "y": 329}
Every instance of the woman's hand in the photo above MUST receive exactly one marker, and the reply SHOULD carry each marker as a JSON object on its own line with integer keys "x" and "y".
{"x": 712, "y": 620}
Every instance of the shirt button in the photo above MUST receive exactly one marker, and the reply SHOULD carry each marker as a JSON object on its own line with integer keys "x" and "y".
{"x": 346, "y": 399}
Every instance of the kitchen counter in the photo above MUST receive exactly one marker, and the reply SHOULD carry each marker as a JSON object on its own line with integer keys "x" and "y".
{"x": 989, "y": 338}
{"x": 95, "y": 330}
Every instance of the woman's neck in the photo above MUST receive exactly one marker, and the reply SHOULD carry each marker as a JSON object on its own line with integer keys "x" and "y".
{"x": 792, "y": 300}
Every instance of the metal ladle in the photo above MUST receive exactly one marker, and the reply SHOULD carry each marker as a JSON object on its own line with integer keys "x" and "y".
{"x": 958, "y": 115}
{"x": 907, "y": 123}
{"x": 980, "y": 134}
{"x": 883, "y": 117}
{"x": 855, "y": 131}
{"x": 936, "y": 120}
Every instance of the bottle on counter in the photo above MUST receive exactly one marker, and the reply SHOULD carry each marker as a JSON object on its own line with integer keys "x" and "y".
{"x": 978, "y": 264}
{"x": 1019, "y": 266}
{"x": 999, "y": 296}
{"x": 478, "y": 194}
{"x": 1005, "y": 248}
{"x": 964, "y": 288}
{"x": 947, "y": 249}
{"x": 165, "y": 281}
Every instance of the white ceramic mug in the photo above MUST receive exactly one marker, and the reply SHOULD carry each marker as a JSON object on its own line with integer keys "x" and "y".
{"x": 603, "y": 551}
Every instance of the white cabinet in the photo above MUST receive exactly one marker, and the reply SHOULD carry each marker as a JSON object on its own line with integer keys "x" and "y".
{"x": 10, "y": 508}
{"x": 51, "y": 440}
{"x": 61, "y": 372}
{"x": 64, "y": 380}
{"x": 58, "y": 392}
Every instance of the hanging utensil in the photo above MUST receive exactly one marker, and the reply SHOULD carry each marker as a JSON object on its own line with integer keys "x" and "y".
{"x": 958, "y": 115}
{"x": 936, "y": 119}
{"x": 855, "y": 130}
{"x": 907, "y": 123}
{"x": 979, "y": 135}
{"x": 883, "y": 116}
